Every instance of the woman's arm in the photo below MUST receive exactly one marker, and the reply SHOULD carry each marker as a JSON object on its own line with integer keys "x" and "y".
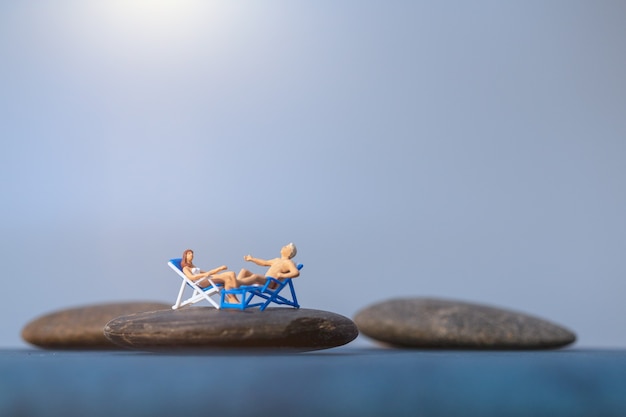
{"x": 194, "y": 277}
{"x": 216, "y": 270}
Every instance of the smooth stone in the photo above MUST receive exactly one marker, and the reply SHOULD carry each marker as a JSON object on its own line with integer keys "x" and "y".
{"x": 205, "y": 328}
{"x": 81, "y": 327}
{"x": 448, "y": 324}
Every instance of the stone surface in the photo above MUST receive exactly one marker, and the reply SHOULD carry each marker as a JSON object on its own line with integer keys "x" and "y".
{"x": 205, "y": 328}
{"x": 436, "y": 323}
{"x": 81, "y": 327}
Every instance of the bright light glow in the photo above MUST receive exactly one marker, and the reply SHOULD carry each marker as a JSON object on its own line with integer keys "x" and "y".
{"x": 166, "y": 20}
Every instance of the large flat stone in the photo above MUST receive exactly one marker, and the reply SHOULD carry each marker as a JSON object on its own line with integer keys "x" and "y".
{"x": 205, "y": 328}
{"x": 436, "y": 323}
{"x": 81, "y": 327}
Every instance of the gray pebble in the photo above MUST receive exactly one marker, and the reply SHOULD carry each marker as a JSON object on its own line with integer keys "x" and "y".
{"x": 447, "y": 324}
{"x": 205, "y": 328}
{"x": 81, "y": 327}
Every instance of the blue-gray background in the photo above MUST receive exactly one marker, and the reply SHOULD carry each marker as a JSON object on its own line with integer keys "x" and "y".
{"x": 467, "y": 150}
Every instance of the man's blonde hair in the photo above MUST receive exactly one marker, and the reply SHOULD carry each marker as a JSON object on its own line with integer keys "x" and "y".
{"x": 294, "y": 250}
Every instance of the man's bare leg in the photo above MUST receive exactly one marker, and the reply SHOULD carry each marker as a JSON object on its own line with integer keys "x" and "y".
{"x": 230, "y": 281}
{"x": 246, "y": 277}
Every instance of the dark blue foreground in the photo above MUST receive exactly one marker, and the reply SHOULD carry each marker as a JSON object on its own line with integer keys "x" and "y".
{"x": 339, "y": 382}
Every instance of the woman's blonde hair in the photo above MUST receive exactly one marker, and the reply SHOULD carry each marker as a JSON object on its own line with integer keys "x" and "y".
{"x": 183, "y": 262}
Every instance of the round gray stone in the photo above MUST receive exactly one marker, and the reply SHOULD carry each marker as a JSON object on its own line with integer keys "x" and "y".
{"x": 205, "y": 328}
{"x": 447, "y": 324}
{"x": 81, "y": 327}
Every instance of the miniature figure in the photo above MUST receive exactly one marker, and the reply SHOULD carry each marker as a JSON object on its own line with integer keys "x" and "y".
{"x": 279, "y": 268}
{"x": 199, "y": 277}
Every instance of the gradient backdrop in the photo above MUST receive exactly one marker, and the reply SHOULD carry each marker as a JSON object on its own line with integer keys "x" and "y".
{"x": 466, "y": 150}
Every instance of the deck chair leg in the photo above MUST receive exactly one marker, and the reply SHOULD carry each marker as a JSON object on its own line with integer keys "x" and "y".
{"x": 293, "y": 295}
{"x": 180, "y": 296}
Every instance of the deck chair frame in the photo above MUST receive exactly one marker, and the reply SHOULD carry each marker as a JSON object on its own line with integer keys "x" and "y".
{"x": 264, "y": 292}
{"x": 199, "y": 293}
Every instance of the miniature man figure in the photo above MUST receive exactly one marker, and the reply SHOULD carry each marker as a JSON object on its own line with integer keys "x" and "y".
{"x": 279, "y": 268}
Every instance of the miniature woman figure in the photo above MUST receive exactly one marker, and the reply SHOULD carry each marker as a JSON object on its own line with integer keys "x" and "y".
{"x": 279, "y": 268}
{"x": 198, "y": 276}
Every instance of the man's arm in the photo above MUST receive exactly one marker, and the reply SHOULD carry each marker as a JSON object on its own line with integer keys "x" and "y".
{"x": 292, "y": 271}
{"x": 261, "y": 262}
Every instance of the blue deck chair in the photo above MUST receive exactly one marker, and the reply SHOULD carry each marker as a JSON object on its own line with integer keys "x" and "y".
{"x": 199, "y": 293}
{"x": 246, "y": 293}
{"x": 266, "y": 293}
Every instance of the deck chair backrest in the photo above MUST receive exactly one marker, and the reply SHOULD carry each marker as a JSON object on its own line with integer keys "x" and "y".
{"x": 176, "y": 262}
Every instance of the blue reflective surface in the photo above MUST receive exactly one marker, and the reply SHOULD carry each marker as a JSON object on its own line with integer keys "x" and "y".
{"x": 337, "y": 382}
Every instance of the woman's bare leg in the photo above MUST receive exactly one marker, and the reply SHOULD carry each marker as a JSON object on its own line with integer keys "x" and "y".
{"x": 202, "y": 282}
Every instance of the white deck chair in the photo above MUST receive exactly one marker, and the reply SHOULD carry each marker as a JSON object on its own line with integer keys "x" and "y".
{"x": 199, "y": 293}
